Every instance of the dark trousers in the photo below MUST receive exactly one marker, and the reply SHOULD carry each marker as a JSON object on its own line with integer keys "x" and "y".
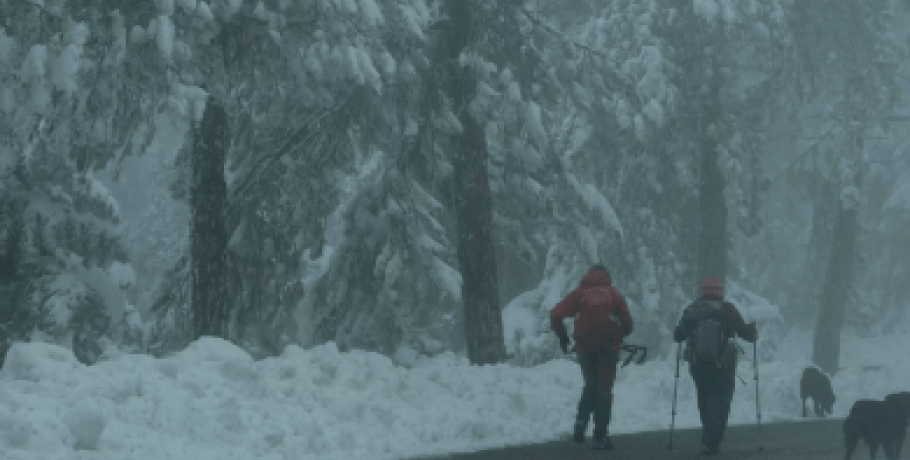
{"x": 715, "y": 392}
{"x": 599, "y": 370}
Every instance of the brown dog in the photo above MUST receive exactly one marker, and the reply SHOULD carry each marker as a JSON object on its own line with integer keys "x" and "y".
{"x": 878, "y": 423}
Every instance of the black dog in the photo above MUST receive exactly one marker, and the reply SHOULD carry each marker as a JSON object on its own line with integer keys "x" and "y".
{"x": 878, "y": 423}
{"x": 816, "y": 385}
{"x": 901, "y": 400}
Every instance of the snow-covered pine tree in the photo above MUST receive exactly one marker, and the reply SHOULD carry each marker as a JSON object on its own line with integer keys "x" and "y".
{"x": 627, "y": 94}
{"x": 855, "y": 87}
{"x": 859, "y": 80}
{"x": 306, "y": 90}
{"x": 638, "y": 156}
{"x": 881, "y": 261}
{"x": 471, "y": 201}
{"x": 389, "y": 283}
{"x": 724, "y": 50}
{"x": 62, "y": 123}
{"x": 548, "y": 213}
{"x": 884, "y": 246}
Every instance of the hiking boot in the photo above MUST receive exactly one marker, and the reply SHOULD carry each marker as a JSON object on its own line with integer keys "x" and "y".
{"x": 579, "y": 435}
{"x": 603, "y": 443}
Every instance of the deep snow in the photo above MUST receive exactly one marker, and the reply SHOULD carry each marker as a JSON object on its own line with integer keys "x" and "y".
{"x": 212, "y": 401}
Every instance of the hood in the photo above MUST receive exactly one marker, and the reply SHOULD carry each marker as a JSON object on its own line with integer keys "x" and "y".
{"x": 596, "y": 278}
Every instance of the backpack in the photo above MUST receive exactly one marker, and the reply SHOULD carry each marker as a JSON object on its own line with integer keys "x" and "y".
{"x": 597, "y": 314}
{"x": 707, "y": 341}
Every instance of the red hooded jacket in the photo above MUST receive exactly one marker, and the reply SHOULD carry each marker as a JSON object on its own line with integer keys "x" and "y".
{"x": 569, "y": 307}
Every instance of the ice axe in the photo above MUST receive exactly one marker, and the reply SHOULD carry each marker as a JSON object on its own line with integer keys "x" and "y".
{"x": 634, "y": 350}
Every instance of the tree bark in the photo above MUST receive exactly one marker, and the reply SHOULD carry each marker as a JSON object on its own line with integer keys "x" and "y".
{"x": 712, "y": 247}
{"x": 208, "y": 233}
{"x": 824, "y": 213}
{"x": 700, "y": 51}
{"x": 473, "y": 202}
{"x": 476, "y": 251}
{"x": 838, "y": 283}
{"x": 840, "y": 271}
{"x": 17, "y": 319}
{"x": 712, "y": 240}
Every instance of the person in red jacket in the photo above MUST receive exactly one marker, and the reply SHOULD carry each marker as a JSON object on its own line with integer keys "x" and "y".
{"x": 602, "y": 320}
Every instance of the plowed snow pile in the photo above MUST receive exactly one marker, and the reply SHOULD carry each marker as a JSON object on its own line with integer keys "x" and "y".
{"x": 212, "y": 401}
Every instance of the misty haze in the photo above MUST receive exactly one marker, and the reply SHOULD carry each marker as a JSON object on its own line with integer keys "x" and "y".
{"x": 392, "y": 229}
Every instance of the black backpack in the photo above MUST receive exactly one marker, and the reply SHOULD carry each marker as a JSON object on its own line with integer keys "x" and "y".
{"x": 707, "y": 341}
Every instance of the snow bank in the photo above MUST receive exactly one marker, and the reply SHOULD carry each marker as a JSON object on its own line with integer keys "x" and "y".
{"x": 212, "y": 401}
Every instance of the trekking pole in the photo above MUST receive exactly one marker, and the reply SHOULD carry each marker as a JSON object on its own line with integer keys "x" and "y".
{"x": 675, "y": 386}
{"x": 757, "y": 403}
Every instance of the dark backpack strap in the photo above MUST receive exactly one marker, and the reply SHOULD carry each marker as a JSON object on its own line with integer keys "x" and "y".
{"x": 717, "y": 313}
{"x": 726, "y": 327}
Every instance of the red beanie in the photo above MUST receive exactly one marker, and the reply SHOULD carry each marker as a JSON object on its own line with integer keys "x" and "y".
{"x": 713, "y": 286}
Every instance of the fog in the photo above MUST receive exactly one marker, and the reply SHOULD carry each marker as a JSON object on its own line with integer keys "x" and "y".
{"x": 391, "y": 176}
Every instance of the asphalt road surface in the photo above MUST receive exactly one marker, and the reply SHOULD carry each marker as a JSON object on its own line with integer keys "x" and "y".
{"x": 809, "y": 440}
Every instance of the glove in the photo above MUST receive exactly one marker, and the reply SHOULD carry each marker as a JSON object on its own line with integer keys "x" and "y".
{"x": 564, "y": 344}
{"x": 679, "y": 334}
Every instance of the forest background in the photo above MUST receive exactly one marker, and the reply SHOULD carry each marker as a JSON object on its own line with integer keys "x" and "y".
{"x": 400, "y": 176}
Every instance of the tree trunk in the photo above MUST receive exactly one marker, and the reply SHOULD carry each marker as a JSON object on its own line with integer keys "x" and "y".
{"x": 17, "y": 320}
{"x": 699, "y": 45}
{"x": 476, "y": 251}
{"x": 824, "y": 212}
{"x": 841, "y": 262}
{"x": 839, "y": 279}
{"x": 473, "y": 200}
{"x": 208, "y": 234}
{"x": 712, "y": 240}
{"x": 712, "y": 247}
{"x": 838, "y": 282}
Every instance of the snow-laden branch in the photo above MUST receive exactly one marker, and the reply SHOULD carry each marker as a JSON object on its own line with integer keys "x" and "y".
{"x": 43, "y": 8}
{"x": 626, "y": 85}
{"x": 303, "y": 133}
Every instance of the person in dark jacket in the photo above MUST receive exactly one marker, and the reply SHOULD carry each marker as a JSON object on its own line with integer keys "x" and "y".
{"x": 602, "y": 320}
{"x": 714, "y": 380}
